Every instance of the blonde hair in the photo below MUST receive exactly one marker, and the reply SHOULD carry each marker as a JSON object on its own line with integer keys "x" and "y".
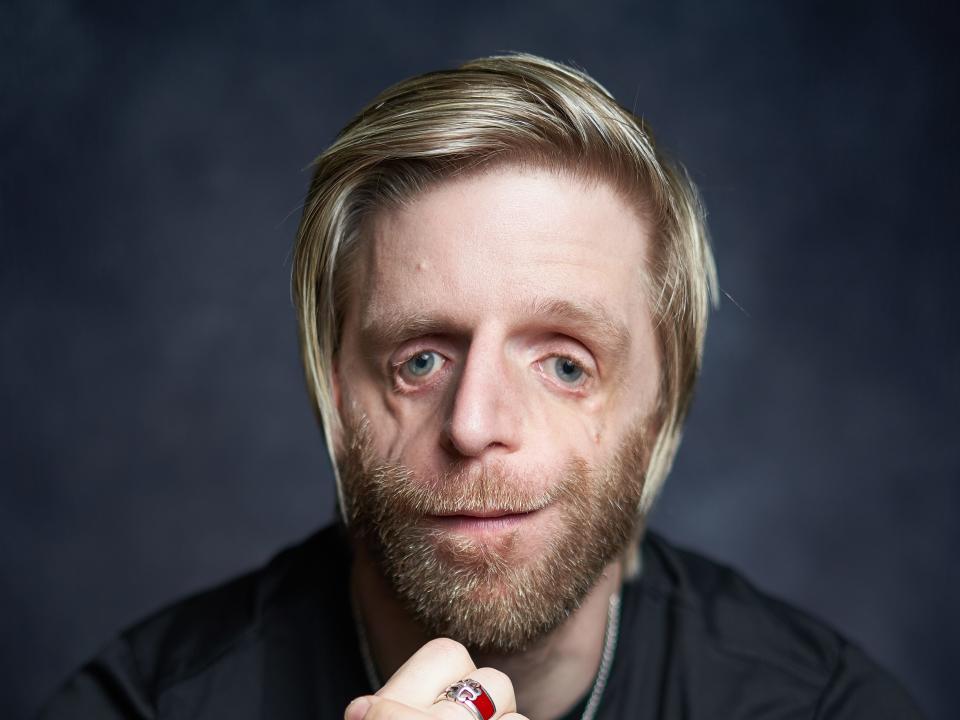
{"x": 504, "y": 109}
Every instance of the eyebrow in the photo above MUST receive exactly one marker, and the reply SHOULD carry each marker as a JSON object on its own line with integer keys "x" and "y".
{"x": 593, "y": 322}
{"x": 392, "y": 327}
{"x": 590, "y": 322}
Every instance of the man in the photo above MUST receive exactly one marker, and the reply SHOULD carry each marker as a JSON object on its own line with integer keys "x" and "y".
{"x": 502, "y": 288}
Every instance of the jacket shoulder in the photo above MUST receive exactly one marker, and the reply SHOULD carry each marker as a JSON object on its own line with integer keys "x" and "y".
{"x": 733, "y": 632}
{"x": 128, "y": 676}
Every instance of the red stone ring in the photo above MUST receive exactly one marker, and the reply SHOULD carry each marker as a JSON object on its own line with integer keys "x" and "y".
{"x": 472, "y": 696}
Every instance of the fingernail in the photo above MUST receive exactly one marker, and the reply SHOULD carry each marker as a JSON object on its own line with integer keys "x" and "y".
{"x": 357, "y": 709}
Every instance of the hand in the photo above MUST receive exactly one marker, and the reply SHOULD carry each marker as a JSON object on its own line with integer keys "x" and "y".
{"x": 412, "y": 691}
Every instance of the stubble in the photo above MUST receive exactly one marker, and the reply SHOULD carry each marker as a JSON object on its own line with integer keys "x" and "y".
{"x": 488, "y": 594}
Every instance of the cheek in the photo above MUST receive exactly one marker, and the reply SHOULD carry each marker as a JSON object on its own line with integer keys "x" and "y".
{"x": 362, "y": 401}
{"x": 401, "y": 430}
{"x": 557, "y": 429}
{"x": 603, "y": 418}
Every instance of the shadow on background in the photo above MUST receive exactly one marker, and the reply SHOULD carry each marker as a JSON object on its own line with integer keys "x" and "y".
{"x": 156, "y": 432}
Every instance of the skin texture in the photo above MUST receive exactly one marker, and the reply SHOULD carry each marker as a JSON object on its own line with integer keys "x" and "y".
{"x": 501, "y": 330}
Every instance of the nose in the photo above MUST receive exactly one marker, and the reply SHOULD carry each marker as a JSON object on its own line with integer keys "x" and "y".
{"x": 486, "y": 415}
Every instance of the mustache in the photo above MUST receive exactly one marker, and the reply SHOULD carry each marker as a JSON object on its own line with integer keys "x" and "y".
{"x": 475, "y": 490}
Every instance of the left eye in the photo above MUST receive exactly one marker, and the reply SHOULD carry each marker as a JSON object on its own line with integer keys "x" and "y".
{"x": 567, "y": 371}
{"x": 421, "y": 365}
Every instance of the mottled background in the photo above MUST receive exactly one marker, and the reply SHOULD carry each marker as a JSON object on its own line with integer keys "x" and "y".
{"x": 156, "y": 436}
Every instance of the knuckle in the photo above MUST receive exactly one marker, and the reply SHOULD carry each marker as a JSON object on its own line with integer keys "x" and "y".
{"x": 500, "y": 677}
{"x": 449, "y": 649}
{"x": 384, "y": 709}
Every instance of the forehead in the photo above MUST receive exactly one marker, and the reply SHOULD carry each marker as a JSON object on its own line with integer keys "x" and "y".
{"x": 505, "y": 243}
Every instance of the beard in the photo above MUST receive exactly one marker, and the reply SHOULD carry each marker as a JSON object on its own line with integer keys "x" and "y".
{"x": 482, "y": 592}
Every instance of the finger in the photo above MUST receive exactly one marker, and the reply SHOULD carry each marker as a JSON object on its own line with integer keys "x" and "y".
{"x": 371, "y": 707}
{"x": 499, "y": 689}
{"x": 428, "y": 672}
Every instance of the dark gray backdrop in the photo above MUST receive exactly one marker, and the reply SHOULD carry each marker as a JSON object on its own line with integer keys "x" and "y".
{"x": 156, "y": 434}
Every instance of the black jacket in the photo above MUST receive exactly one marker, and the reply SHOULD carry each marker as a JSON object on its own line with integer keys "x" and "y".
{"x": 697, "y": 641}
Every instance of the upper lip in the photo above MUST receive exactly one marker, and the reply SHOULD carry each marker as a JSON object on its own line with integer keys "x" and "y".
{"x": 484, "y": 514}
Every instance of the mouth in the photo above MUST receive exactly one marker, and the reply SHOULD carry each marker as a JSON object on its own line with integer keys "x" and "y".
{"x": 483, "y": 523}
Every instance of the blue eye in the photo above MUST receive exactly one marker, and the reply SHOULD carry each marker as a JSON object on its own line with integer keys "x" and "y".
{"x": 421, "y": 365}
{"x": 567, "y": 370}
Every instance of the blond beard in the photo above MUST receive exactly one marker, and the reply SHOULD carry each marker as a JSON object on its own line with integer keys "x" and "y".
{"x": 478, "y": 592}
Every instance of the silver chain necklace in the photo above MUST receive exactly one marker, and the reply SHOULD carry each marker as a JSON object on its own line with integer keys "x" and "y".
{"x": 610, "y": 635}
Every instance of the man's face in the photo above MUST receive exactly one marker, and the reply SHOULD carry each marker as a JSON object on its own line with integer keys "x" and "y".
{"x": 497, "y": 379}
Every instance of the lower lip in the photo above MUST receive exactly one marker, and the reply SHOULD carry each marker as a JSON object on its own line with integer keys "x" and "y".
{"x": 471, "y": 525}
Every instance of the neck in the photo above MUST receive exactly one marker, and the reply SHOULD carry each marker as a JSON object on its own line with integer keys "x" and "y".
{"x": 548, "y": 679}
